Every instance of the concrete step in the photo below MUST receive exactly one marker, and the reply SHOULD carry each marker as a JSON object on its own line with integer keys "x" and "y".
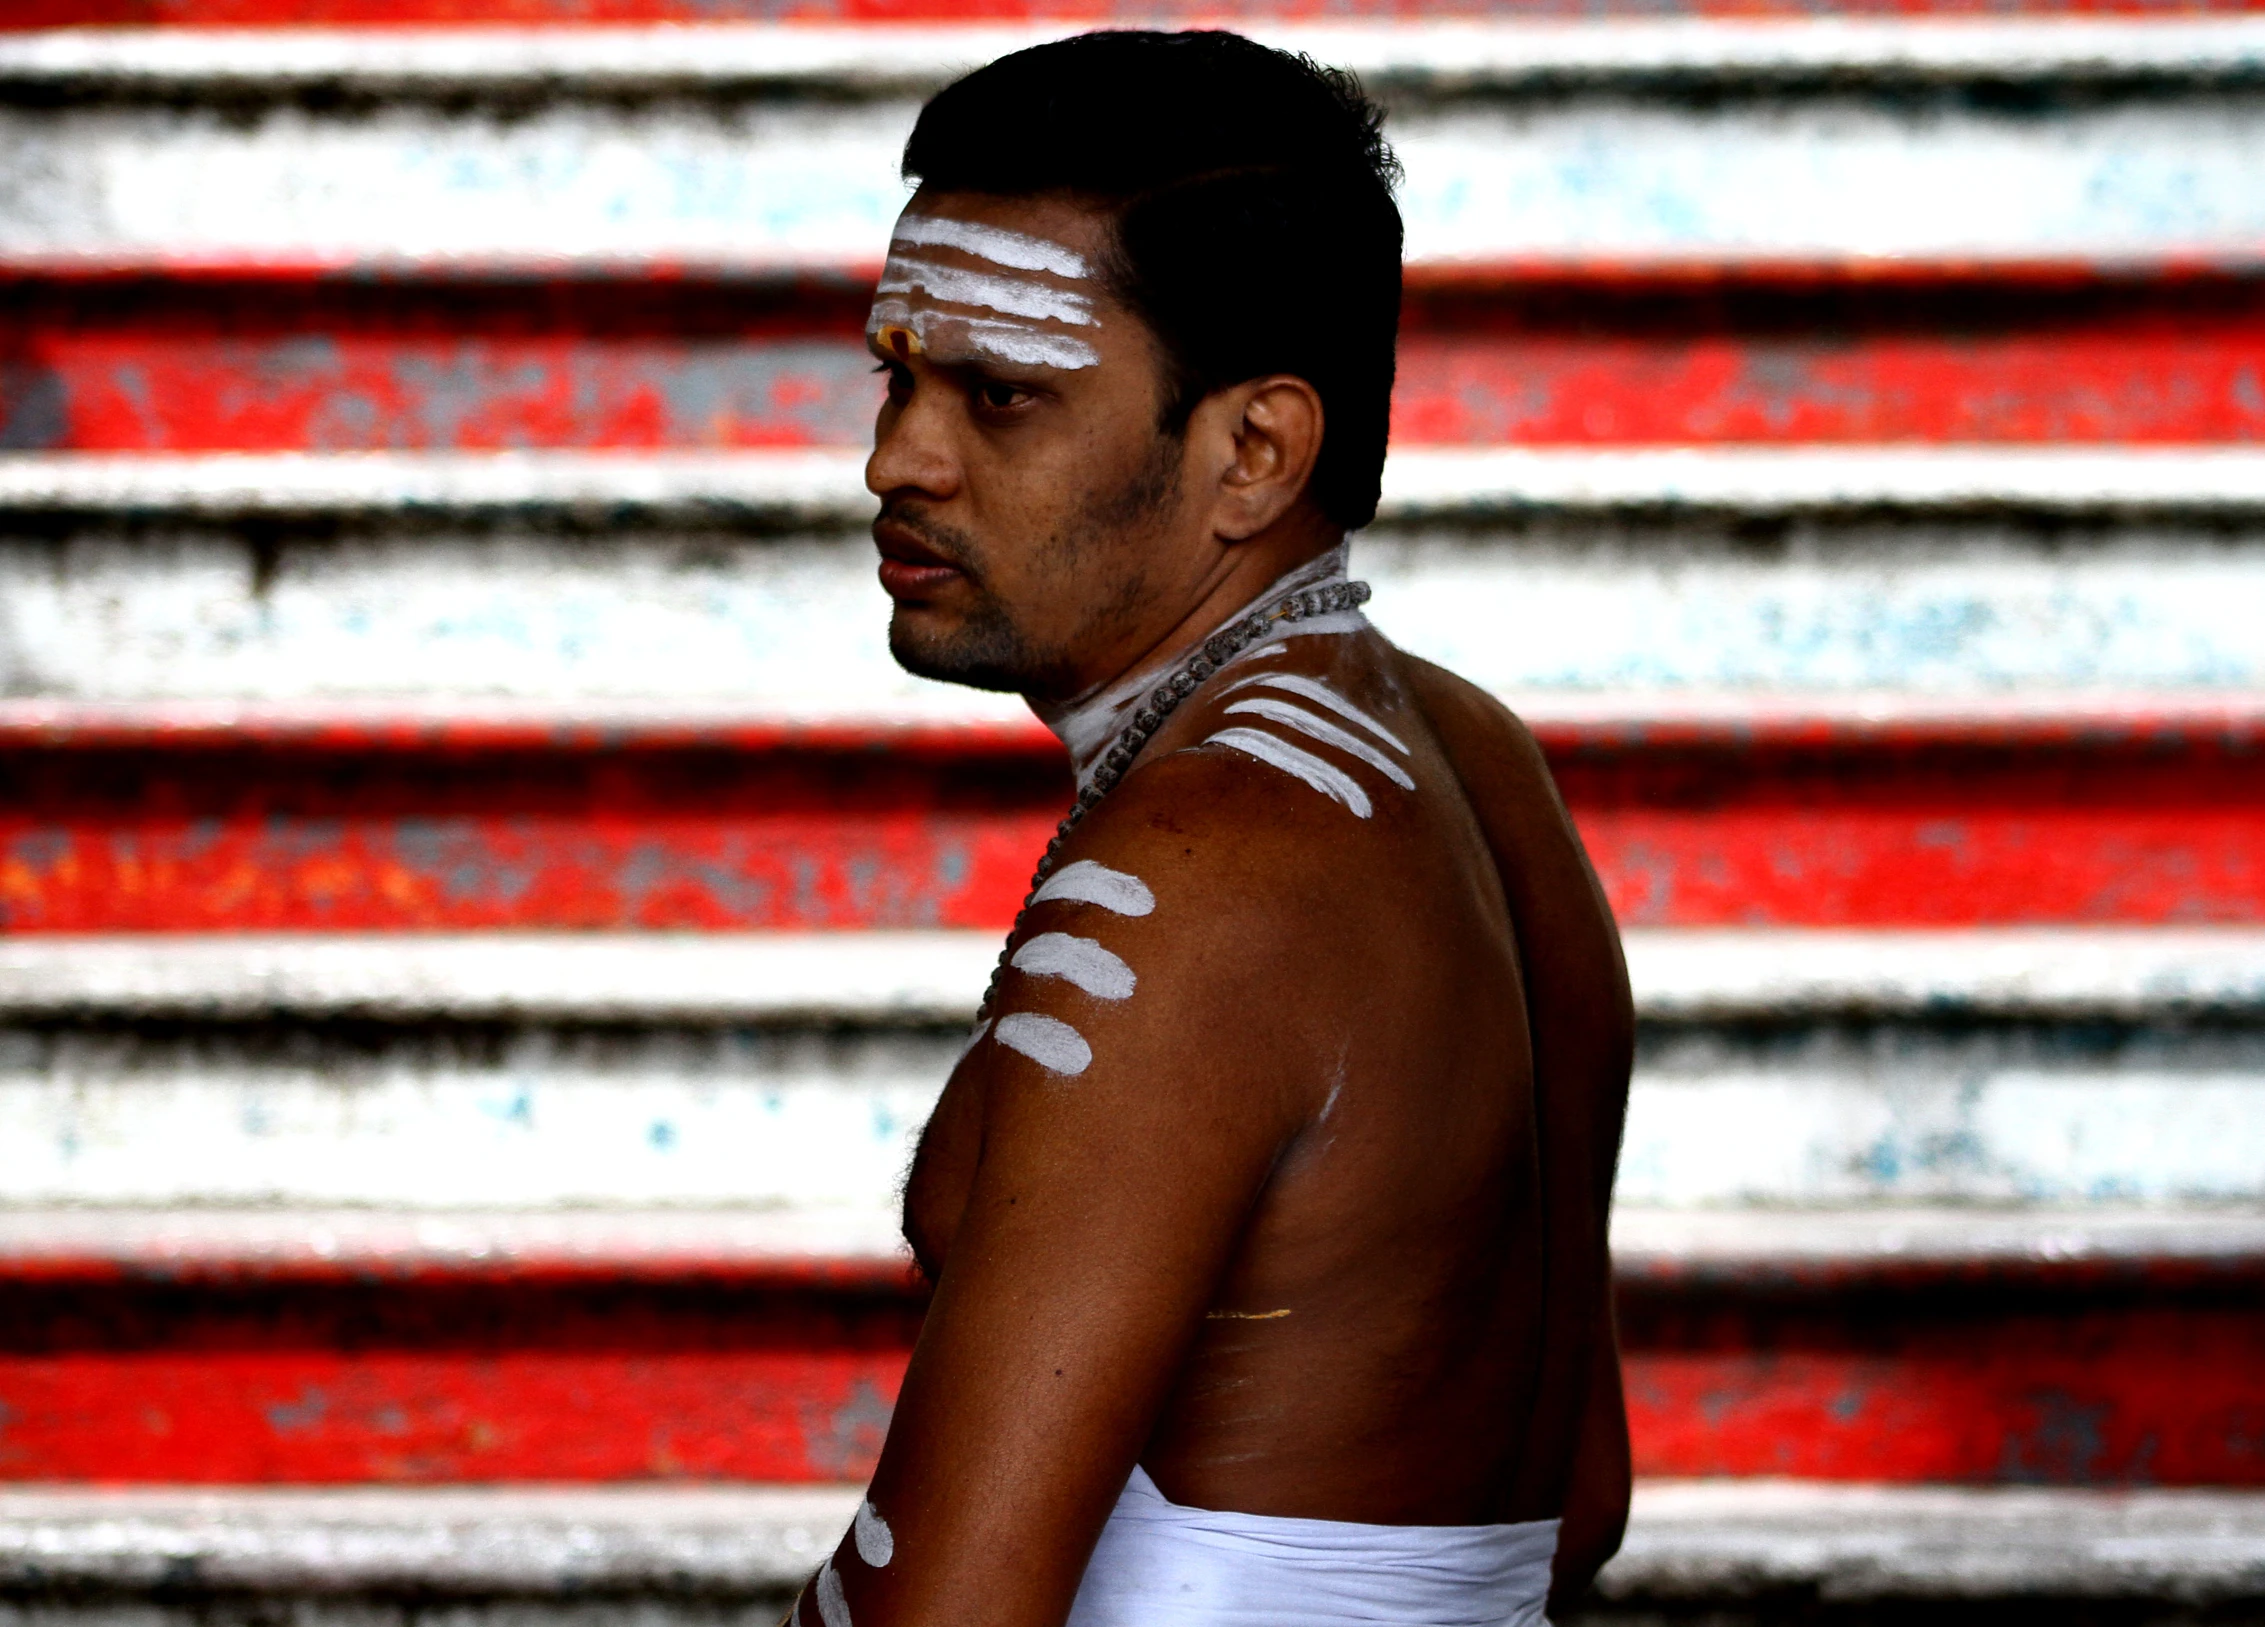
{"x": 552, "y": 1553}
{"x": 1903, "y": 1111}
{"x": 1980, "y": 602}
{"x": 1446, "y": 54}
{"x": 894, "y": 979}
{"x": 860, "y": 1248}
{"x": 1870, "y": 358}
{"x": 751, "y": 179}
{"x": 825, "y": 489}
{"x": 2071, "y": 1347}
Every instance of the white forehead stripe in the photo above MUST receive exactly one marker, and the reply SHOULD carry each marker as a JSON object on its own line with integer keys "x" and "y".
{"x": 833, "y": 1605}
{"x": 1076, "y": 960}
{"x": 1322, "y": 695}
{"x": 1008, "y": 341}
{"x": 1089, "y": 882}
{"x": 1052, "y": 1044}
{"x": 1321, "y": 729}
{"x": 993, "y": 243}
{"x": 1010, "y": 296}
{"x": 876, "y": 1544}
{"x": 1304, "y": 765}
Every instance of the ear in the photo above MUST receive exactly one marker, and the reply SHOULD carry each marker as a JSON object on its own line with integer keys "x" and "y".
{"x": 1267, "y": 432}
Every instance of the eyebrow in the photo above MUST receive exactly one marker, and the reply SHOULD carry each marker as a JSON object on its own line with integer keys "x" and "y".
{"x": 1016, "y": 343}
{"x": 993, "y": 243}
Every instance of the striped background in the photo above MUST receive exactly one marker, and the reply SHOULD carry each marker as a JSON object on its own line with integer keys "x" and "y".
{"x": 483, "y": 916}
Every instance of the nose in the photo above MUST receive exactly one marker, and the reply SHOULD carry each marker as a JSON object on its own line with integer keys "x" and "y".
{"x": 912, "y": 449}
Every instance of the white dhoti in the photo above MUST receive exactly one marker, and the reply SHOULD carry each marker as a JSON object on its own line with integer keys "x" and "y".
{"x": 1161, "y": 1565}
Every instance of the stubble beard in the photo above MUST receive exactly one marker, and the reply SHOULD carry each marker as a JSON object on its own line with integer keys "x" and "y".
{"x": 988, "y": 648}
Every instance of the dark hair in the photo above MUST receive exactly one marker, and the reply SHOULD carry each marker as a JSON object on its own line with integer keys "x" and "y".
{"x": 1256, "y": 231}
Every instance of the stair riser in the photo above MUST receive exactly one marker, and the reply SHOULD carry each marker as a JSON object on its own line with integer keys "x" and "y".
{"x": 1986, "y": 1381}
{"x": 2133, "y": 824}
{"x": 1568, "y": 178}
{"x": 1812, "y": 1116}
{"x": 797, "y": 625}
{"x": 334, "y": 366}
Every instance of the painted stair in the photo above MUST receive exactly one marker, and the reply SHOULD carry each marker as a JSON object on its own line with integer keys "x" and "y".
{"x": 483, "y": 915}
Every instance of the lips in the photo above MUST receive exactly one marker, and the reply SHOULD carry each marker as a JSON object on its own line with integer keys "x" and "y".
{"x": 910, "y": 567}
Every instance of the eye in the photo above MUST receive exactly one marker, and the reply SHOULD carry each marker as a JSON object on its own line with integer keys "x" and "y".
{"x": 899, "y": 377}
{"x": 996, "y": 395}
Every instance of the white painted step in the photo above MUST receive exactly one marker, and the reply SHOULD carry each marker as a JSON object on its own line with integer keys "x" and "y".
{"x": 785, "y": 978}
{"x": 1716, "y": 1539}
{"x": 1973, "y": 605}
{"x": 1444, "y": 53}
{"x": 526, "y": 1540}
{"x": 1421, "y": 483}
{"x": 1711, "y": 1539}
{"x": 812, "y": 182}
{"x": 1815, "y": 1112}
{"x": 1645, "y": 1241}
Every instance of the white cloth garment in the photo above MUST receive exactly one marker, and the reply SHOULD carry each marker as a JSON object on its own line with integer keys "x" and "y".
{"x": 1161, "y": 1565}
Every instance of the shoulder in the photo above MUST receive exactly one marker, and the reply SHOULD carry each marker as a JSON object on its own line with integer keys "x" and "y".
{"x": 1569, "y": 939}
{"x": 1469, "y": 718}
{"x": 1321, "y": 731}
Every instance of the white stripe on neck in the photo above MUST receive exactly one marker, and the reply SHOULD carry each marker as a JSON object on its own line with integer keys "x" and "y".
{"x": 1090, "y": 724}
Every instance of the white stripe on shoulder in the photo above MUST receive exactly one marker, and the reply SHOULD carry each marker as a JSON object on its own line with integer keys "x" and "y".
{"x": 1090, "y": 882}
{"x": 1048, "y": 1041}
{"x": 1304, "y": 765}
{"x": 975, "y": 1036}
{"x": 1076, "y": 960}
{"x": 1321, "y": 694}
{"x": 1321, "y": 729}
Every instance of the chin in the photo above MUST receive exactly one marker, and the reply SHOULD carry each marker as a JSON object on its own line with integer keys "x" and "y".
{"x": 975, "y": 655}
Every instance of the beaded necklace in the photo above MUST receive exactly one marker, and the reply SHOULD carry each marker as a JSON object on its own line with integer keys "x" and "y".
{"x": 1217, "y": 650}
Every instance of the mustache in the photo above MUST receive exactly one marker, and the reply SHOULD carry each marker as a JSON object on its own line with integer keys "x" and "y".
{"x": 955, "y": 546}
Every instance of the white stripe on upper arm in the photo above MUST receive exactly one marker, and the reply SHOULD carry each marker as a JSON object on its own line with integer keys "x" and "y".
{"x": 1304, "y": 765}
{"x": 876, "y": 1543}
{"x": 833, "y": 1607}
{"x": 1076, "y": 960}
{"x": 1327, "y": 733}
{"x": 1321, "y": 694}
{"x": 1088, "y": 882}
{"x": 1048, "y": 1041}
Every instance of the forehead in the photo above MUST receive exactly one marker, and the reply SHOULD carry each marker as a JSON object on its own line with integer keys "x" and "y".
{"x": 1080, "y": 227}
{"x": 996, "y": 282}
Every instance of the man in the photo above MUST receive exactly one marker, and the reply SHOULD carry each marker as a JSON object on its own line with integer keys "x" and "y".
{"x": 1266, "y": 1207}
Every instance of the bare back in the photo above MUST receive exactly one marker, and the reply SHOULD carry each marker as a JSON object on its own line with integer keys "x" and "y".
{"x": 1413, "y": 1025}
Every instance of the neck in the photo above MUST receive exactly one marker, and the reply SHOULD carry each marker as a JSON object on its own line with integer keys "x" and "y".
{"x": 1088, "y": 722}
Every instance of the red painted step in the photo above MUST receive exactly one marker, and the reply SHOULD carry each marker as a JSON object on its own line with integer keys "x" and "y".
{"x": 1167, "y": 13}
{"x": 2027, "y": 1372}
{"x": 330, "y": 365}
{"x": 1937, "y": 823}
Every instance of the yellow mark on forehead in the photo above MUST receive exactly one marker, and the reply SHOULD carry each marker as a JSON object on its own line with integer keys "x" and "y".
{"x": 1244, "y": 1316}
{"x": 1015, "y": 312}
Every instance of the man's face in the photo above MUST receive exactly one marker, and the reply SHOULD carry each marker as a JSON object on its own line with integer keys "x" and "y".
{"x": 1030, "y": 509}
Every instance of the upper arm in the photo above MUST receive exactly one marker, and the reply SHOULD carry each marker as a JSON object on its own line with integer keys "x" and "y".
{"x": 1116, "y": 1170}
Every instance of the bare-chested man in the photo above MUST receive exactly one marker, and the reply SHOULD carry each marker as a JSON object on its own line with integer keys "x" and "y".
{"x": 1266, "y": 1208}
